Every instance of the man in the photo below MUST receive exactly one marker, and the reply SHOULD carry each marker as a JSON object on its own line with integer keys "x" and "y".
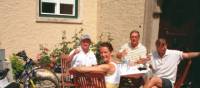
{"x": 131, "y": 54}
{"x": 133, "y": 50}
{"x": 164, "y": 65}
{"x": 82, "y": 56}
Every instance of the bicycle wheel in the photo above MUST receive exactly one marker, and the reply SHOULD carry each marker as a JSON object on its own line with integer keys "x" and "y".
{"x": 45, "y": 73}
{"x": 45, "y": 82}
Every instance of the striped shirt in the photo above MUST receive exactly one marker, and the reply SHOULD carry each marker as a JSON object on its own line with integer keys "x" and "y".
{"x": 133, "y": 54}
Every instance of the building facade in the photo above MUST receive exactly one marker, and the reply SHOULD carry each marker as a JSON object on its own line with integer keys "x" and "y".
{"x": 26, "y": 24}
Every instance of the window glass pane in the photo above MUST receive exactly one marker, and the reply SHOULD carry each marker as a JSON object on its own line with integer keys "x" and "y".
{"x": 66, "y": 9}
{"x": 48, "y": 7}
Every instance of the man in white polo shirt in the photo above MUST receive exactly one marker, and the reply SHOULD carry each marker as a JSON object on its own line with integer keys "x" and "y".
{"x": 164, "y": 65}
{"x": 82, "y": 56}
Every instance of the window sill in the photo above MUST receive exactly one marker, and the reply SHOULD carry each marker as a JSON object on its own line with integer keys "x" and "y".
{"x": 59, "y": 20}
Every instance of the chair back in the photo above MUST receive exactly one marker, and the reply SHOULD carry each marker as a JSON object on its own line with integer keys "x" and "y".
{"x": 89, "y": 79}
{"x": 65, "y": 75}
{"x": 181, "y": 76}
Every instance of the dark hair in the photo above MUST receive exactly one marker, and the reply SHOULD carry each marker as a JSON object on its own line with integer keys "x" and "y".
{"x": 161, "y": 41}
{"x": 106, "y": 44}
{"x": 135, "y": 31}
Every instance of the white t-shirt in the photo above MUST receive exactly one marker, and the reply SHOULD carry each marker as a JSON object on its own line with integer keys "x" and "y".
{"x": 166, "y": 67}
{"x": 133, "y": 53}
{"x": 83, "y": 59}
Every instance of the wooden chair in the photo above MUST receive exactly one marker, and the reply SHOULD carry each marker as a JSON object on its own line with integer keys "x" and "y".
{"x": 181, "y": 76}
{"x": 89, "y": 79}
{"x": 65, "y": 76}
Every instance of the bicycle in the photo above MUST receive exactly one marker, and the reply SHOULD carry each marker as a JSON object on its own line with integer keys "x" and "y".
{"x": 31, "y": 76}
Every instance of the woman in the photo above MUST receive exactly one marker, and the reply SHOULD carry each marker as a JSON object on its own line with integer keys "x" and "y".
{"x": 109, "y": 67}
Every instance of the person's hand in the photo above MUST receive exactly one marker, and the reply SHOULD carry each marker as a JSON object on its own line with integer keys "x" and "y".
{"x": 140, "y": 61}
{"x": 64, "y": 56}
{"x": 76, "y": 51}
{"x": 123, "y": 53}
{"x": 143, "y": 60}
{"x": 72, "y": 70}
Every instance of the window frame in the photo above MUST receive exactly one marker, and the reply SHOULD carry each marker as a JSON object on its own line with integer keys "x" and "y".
{"x": 60, "y": 18}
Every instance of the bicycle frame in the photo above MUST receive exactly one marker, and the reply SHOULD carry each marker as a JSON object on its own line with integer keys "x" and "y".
{"x": 30, "y": 72}
{"x": 27, "y": 74}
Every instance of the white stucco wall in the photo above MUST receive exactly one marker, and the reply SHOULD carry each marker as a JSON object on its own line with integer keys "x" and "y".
{"x": 20, "y": 31}
{"x": 119, "y": 17}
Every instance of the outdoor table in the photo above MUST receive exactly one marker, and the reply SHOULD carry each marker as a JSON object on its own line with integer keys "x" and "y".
{"x": 131, "y": 76}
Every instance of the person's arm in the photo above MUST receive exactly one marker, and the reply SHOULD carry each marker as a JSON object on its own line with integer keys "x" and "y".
{"x": 69, "y": 57}
{"x": 120, "y": 55}
{"x": 143, "y": 60}
{"x": 99, "y": 68}
{"x": 189, "y": 55}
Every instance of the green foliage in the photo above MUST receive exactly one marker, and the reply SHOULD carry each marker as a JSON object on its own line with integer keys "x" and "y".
{"x": 45, "y": 60}
{"x": 44, "y": 57}
{"x": 17, "y": 65}
{"x": 64, "y": 48}
{"x": 64, "y": 45}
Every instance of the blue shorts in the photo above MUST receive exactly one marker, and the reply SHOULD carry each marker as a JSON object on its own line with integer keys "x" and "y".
{"x": 166, "y": 83}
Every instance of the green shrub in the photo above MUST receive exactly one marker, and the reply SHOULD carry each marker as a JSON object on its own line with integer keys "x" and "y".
{"x": 44, "y": 57}
{"x": 17, "y": 65}
{"x": 45, "y": 60}
{"x": 63, "y": 47}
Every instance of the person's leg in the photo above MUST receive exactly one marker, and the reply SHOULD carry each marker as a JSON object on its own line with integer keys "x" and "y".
{"x": 166, "y": 83}
{"x": 154, "y": 82}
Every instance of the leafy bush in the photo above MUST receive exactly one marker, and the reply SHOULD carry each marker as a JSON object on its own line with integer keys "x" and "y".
{"x": 17, "y": 65}
{"x": 43, "y": 57}
{"x": 63, "y": 47}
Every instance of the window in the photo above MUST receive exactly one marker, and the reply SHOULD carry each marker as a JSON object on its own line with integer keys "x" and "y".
{"x": 59, "y": 8}
{"x": 55, "y": 10}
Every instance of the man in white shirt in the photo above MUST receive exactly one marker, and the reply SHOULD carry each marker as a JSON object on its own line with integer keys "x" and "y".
{"x": 132, "y": 51}
{"x": 130, "y": 55}
{"x": 82, "y": 56}
{"x": 164, "y": 65}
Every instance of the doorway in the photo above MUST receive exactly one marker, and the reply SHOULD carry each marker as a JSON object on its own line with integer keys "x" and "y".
{"x": 180, "y": 26}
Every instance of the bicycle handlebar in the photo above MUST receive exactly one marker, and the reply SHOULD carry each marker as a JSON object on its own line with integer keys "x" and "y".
{"x": 29, "y": 61}
{"x": 23, "y": 55}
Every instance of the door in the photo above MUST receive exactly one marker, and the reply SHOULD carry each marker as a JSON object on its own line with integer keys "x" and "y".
{"x": 180, "y": 26}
